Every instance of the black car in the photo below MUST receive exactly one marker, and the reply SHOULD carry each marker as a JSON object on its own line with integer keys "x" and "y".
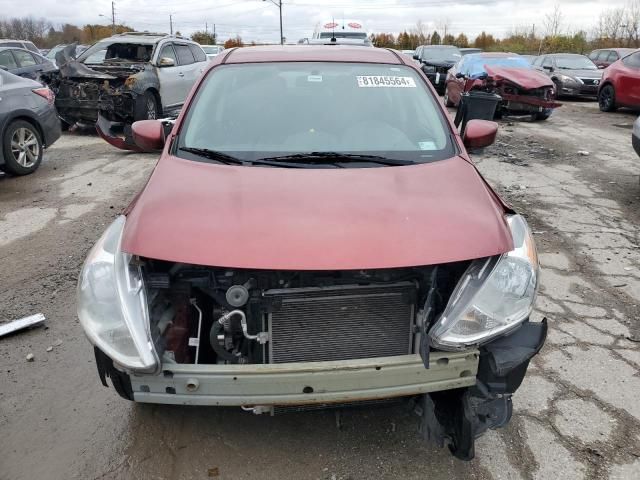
{"x": 574, "y": 75}
{"x": 28, "y": 123}
{"x": 436, "y": 60}
{"x": 24, "y": 63}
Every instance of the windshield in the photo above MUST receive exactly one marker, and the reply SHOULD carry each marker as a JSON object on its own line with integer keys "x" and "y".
{"x": 441, "y": 54}
{"x": 339, "y": 34}
{"x": 577, "y": 62}
{"x": 477, "y": 62}
{"x": 51, "y": 54}
{"x": 115, "y": 52}
{"x": 254, "y": 111}
{"x": 210, "y": 50}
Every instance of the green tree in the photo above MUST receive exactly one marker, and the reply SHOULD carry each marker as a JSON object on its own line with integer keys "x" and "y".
{"x": 485, "y": 41}
{"x": 461, "y": 41}
{"x": 448, "y": 39}
{"x": 435, "y": 38}
{"x": 203, "y": 38}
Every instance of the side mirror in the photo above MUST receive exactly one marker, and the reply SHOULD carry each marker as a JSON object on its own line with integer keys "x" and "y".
{"x": 2, "y": 67}
{"x": 166, "y": 62}
{"x": 415, "y": 57}
{"x": 548, "y": 67}
{"x": 148, "y": 135}
{"x": 479, "y": 133}
{"x": 460, "y": 75}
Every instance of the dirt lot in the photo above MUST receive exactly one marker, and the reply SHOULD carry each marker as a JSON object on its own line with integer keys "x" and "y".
{"x": 577, "y": 414}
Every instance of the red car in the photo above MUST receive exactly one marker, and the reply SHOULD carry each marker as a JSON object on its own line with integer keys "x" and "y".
{"x": 604, "y": 57}
{"x": 620, "y": 85}
{"x": 524, "y": 90}
{"x": 315, "y": 233}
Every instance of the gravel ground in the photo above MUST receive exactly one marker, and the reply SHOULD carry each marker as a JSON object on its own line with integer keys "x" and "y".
{"x": 577, "y": 414}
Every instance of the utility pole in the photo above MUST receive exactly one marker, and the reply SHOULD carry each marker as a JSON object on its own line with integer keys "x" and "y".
{"x": 113, "y": 18}
{"x": 215, "y": 39}
{"x": 206, "y": 28}
{"x": 170, "y": 24}
{"x": 279, "y": 5}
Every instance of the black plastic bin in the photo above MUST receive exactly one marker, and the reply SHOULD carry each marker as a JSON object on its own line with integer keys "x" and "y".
{"x": 476, "y": 105}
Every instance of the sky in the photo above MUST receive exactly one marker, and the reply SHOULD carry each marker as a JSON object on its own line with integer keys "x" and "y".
{"x": 257, "y": 20}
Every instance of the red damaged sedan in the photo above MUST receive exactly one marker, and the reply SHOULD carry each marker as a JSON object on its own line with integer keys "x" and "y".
{"x": 524, "y": 90}
{"x": 315, "y": 234}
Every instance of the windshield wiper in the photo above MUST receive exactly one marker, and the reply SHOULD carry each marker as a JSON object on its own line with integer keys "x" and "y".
{"x": 231, "y": 160}
{"x": 331, "y": 157}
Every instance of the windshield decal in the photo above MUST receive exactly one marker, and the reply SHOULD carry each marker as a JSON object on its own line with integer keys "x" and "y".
{"x": 378, "y": 81}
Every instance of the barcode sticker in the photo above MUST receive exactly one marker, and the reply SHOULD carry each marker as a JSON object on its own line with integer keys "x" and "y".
{"x": 383, "y": 81}
{"x": 193, "y": 342}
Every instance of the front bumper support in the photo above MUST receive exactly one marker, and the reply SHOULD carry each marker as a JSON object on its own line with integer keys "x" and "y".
{"x": 309, "y": 383}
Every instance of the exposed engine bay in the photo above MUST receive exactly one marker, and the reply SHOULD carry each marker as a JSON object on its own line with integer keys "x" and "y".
{"x": 213, "y": 315}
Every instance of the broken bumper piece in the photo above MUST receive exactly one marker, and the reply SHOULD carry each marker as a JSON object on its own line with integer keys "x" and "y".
{"x": 458, "y": 417}
{"x": 117, "y": 134}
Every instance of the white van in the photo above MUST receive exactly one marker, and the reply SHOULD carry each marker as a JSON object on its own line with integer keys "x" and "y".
{"x": 351, "y": 30}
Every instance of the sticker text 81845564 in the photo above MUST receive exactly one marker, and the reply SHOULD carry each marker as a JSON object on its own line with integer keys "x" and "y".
{"x": 384, "y": 81}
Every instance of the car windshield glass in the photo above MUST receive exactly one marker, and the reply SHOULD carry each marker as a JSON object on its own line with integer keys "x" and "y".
{"x": 51, "y": 54}
{"x": 267, "y": 110}
{"x": 441, "y": 54}
{"x": 575, "y": 63}
{"x": 477, "y": 63}
{"x": 339, "y": 34}
{"x": 116, "y": 52}
{"x": 209, "y": 50}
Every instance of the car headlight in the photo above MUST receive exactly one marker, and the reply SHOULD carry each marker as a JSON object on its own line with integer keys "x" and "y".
{"x": 112, "y": 304}
{"x": 494, "y": 296}
{"x": 567, "y": 79}
{"x": 429, "y": 69}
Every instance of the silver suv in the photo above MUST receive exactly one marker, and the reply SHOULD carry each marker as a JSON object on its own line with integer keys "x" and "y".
{"x": 127, "y": 77}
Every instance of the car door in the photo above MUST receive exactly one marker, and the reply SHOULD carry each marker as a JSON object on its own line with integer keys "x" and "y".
{"x": 455, "y": 85}
{"x": 627, "y": 85}
{"x": 171, "y": 94}
{"x": 201, "y": 60}
{"x": 187, "y": 64}
{"x": 28, "y": 66}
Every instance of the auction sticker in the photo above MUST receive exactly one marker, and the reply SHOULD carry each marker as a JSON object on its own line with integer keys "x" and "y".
{"x": 383, "y": 81}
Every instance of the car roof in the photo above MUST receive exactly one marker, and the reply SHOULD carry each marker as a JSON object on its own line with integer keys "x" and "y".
{"x": 311, "y": 53}
{"x": 492, "y": 55}
{"x": 143, "y": 38}
{"x": 559, "y": 55}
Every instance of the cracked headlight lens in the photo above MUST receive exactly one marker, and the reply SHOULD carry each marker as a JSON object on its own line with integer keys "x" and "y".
{"x": 494, "y": 296}
{"x": 112, "y": 305}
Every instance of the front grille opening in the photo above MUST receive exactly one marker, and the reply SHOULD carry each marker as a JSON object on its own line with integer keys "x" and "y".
{"x": 248, "y": 316}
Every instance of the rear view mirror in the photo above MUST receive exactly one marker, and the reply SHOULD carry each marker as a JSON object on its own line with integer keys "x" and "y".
{"x": 166, "y": 62}
{"x": 148, "y": 134}
{"x": 479, "y": 133}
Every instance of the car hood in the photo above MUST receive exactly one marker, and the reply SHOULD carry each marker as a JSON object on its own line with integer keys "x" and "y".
{"x": 580, "y": 73}
{"x": 524, "y": 77}
{"x": 316, "y": 219}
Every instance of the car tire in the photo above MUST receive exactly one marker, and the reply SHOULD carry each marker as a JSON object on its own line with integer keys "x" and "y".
{"x": 447, "y": 102}
{"x": 607, "y": 98}
{"x": 147, "y": 107}
{"x": 546, "y": 113}
{"x": 22, "y": 147}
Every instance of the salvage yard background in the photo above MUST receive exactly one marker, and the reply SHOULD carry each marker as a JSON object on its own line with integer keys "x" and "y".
{"x": 577, "y": 415}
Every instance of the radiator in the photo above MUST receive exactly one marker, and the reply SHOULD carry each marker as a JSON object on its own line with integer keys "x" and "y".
{"x": 341, "y": 323}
